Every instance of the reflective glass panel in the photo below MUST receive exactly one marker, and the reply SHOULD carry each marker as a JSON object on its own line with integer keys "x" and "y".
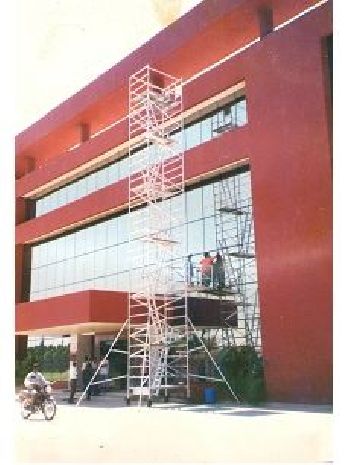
{"x": 241, "y": 108}
{"x": 195, "y": 237}
{"x": 194, "y": 204}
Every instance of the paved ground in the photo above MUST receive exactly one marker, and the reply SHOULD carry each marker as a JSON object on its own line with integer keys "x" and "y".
{"x": 104, "y": 430}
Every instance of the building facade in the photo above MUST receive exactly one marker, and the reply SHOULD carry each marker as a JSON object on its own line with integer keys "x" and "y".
{"x": 257, "y": 111}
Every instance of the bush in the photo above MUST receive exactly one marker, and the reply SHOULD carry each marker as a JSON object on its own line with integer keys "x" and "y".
{"x": 243, "y": 369}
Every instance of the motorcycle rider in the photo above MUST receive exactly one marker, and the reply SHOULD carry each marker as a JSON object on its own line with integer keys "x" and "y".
{"x": 35, "y": 382}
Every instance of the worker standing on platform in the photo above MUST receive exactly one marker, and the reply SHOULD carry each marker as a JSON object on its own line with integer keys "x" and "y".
{"x": 219, "y": 272}
{"x": 207, "y": 269}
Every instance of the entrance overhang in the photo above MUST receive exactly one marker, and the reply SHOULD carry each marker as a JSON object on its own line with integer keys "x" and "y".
{"x": 79, "y": 313}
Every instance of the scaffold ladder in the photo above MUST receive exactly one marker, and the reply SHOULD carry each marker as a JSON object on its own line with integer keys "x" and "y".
{"x": 235, "y": 242}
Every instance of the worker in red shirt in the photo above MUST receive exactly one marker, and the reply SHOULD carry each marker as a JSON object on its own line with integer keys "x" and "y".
{"x": 206, "y": 268}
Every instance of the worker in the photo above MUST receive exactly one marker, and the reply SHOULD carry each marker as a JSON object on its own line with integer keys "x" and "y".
{"x": 219, "y": 272}
{"x": 206, "y": 269}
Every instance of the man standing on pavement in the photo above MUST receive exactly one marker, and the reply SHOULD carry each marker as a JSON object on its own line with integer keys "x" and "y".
{"x": 73, "y": 372}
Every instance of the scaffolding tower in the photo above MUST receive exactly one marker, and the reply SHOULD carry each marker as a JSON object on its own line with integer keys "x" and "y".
{"x": 157, "y": 325}
{"x": 235, "y": 241}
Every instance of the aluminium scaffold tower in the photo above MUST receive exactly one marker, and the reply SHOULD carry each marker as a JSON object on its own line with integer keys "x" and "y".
{"x": 158, "y": 327}
{"x": 158, "y": 320}
{"x": 235, "y": 241}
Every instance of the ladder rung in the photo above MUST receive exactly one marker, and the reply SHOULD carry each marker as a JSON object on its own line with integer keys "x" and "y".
{"x": 241, "y": 255}
{"x": 235, "y": 211}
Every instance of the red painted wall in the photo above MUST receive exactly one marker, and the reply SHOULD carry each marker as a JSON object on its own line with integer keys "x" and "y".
{"x": 292, "y": 198}
{"x": 71, "y": 309}
{"x": 287, "y": 142}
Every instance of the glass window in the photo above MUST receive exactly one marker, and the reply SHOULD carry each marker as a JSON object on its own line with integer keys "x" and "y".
{"x": 51, "y": 202}
{"x": 80, "y": 274}
{"x": 123, "y": 232}
{"x": 113, "y": 173}
{"x": 42, "y": 256}
{"x": 193, "y": 135}
{"x": 61, "y": 197}
{"x": 112, "y": 260}
{"x": 100, "y": 263}
{"x": 100, "y": 235}
{"x": 35, "y": 256}
{"x": 178, "y": 234}
{"x": 209, "y": 234}
{"x": 179, "y": 140}
{"x": 60, "y": 249}
{"x": 123, "y": 281}
{"x": 208, "y": 200}
{"x": 176, "y": 207}
{"x": 217, "y": 122}
{"x": 206, "y": 129}
{"x": 227, "y": 116}
{"x": 39, "y": 207}
{"x": 123, "y": 257}
{"x": 80, "y": 247}
{"x": 194, "y": 204}
{"x": 195, "y": 237}
{"x": 241, "y": 108}
{"x": 234, "y": 114}
{"x": 111, "y": 282}
{"x": 69, "y": 271}
{"x": 123, "y": 168}
{"x": 34, "y": 281}
{"x": 51, "y": 251}
{"x": 91, "y": 183}
{"x": 59, "y": 274}
{"x": 51, "y": 276}
{"x": 89, "y": 265}
{"x": 70, "y": 245}
{"x": 112, "y": 231}
{"x": 81, "y": 188}
{"x": 100, "y": 284}
{"x": 42, "y": 278}
{"x": 69, "y": 288}
{"x": 101, "y": 179}
{"x": 70, "y": 190}
{"x": 89, "y": 239}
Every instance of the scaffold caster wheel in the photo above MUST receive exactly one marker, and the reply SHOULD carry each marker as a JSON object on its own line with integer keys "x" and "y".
{"x": 166, "y": 399}
{"x": 149, "y": 403}
{"x": 127, "y": 401}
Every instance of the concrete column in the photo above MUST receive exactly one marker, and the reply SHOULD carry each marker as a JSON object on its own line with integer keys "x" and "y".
{"x": 80, "y": 346}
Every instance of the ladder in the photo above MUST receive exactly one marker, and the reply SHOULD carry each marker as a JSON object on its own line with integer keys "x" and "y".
{"x": 157, "y": 294}
{"x": 235, "y": 243}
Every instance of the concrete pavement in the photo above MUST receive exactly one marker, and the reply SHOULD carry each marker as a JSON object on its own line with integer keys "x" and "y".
{"x": 105, "y": 430}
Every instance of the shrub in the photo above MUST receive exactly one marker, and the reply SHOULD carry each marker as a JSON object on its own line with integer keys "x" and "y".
{"x": 243, "y": 369}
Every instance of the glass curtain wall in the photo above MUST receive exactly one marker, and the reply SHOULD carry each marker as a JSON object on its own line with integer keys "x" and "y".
{"x": 234, "y": 114}
{"x": 96, "y": 257}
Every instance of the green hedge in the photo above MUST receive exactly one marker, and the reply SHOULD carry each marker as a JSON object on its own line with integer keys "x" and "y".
{"x": 243, "y": 369}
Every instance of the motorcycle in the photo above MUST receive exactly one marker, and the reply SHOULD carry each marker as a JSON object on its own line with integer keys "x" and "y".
{"x": 35, "y": 399}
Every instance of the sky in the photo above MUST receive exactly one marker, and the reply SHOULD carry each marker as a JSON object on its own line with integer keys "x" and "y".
{"x": 62, "y": 45}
